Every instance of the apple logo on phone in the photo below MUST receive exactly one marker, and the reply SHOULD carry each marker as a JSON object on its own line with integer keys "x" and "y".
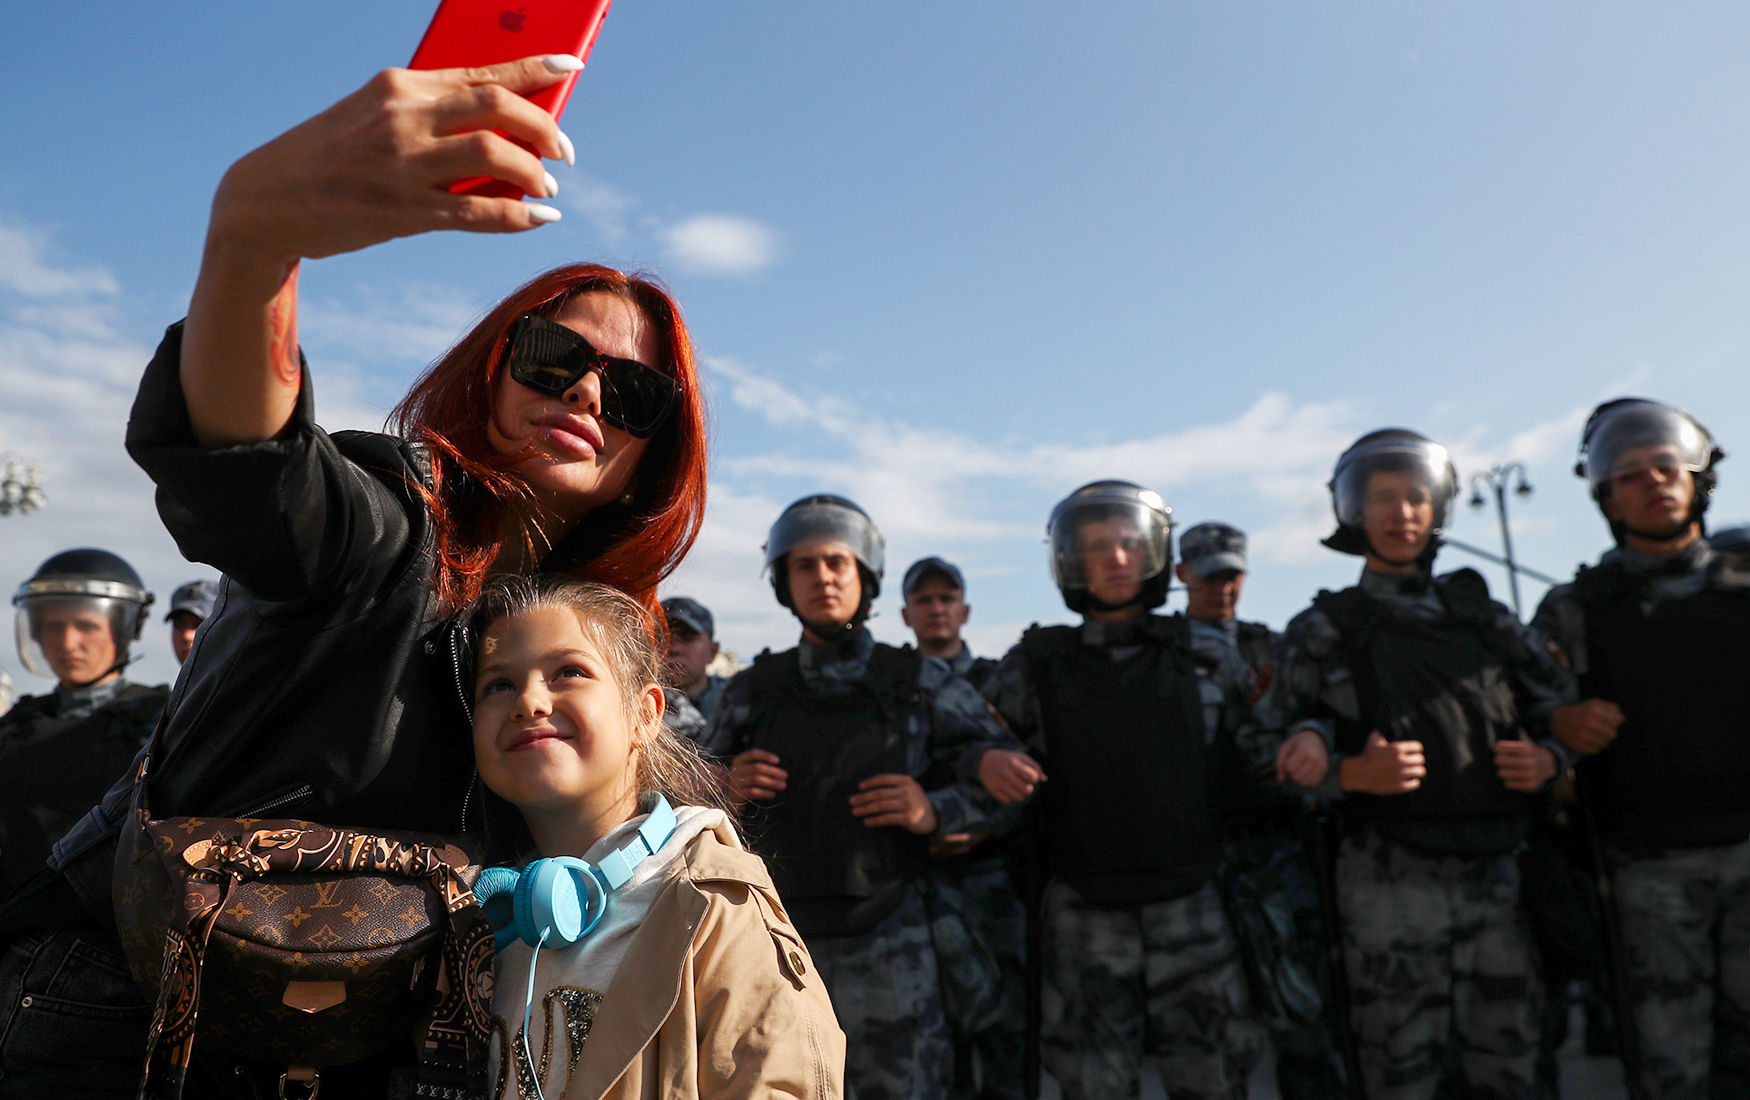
{"x": 512, "y": 20}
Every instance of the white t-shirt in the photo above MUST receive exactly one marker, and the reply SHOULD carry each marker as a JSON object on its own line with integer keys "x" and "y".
{"x": 571, "y": 982}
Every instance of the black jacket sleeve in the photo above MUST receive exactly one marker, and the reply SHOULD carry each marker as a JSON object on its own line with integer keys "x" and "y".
{"x": 292, "y": 519}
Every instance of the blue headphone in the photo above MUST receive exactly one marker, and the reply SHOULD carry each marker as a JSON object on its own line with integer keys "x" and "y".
{"x": 559, "y": 901}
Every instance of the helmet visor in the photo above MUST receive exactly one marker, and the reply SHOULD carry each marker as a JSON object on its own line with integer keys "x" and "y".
{"x": 74, "y": 639}
{"x": 818, "y": 522}
{"x": 1109, "y": 547}
{"x": 1394, "y": 471}
{"x": 1643, "y": 436}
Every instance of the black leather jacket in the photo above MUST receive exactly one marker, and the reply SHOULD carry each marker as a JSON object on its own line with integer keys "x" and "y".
{"x": 325, "y": 685}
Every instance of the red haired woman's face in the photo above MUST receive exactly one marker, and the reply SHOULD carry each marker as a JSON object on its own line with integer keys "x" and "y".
{"x": 580, "y": 462}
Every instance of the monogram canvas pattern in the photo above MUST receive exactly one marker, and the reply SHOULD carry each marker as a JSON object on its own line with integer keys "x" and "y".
{"x": 219, "y": 915}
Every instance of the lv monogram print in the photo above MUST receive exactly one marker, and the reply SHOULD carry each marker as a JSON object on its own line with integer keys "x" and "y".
{"x": 218, "y": 915}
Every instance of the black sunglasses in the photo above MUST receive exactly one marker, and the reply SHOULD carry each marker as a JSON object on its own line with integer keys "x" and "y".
{"x": 549, "y": 358}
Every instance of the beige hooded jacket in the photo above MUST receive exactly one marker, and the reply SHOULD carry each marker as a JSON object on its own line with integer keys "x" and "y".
{"x": 716, "y": 996}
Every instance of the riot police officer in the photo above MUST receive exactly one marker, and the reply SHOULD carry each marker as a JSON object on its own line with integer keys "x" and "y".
{"x": 1137, "y": 954}
{"x": 190, "y": 606}
{"x": 692, "y": 646}
{"x": 935, "y": 608}
{"x": 976, "y": 916}
{"x": 1433, "y": 698}
{"x": 1658, "y": 633}
{"x": 1271, "y": 891}
{"x": 828, "y": 742}
{"x": 78, "y": 615}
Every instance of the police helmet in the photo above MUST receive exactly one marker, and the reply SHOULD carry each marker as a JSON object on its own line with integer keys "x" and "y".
{"x": 827, "y": 518}
{"x": 1389, "y": 450}
{"x": 83, "y": 579}
{"x": 1111, "y": 500}
{"x": 1634, "y": 433}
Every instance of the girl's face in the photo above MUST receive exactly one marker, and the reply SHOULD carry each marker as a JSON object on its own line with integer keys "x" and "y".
{"x": 580, "y": 462}
{"x": 552, "y": 734}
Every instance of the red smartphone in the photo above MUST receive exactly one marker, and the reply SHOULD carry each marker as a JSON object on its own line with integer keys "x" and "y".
{"x": 486, "y": 32}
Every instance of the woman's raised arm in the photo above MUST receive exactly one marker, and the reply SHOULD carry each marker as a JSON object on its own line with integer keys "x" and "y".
{"x": 373, "y": 167}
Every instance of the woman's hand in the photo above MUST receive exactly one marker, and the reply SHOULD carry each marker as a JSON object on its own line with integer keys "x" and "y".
{"x": 1009, "y": 776}
{"x": 755, "y": 774}
{"x": 894, "y": 800}
{"x": 375, "y": 166}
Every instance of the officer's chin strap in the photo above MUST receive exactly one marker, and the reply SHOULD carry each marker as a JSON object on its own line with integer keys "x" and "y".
{"x": 839, "y": 633}
{"x": 107, "y": 673}
{"x": 1424, "y": 560}
{"x": 1098, "y": 604}
{"x": 1663, "y": 536}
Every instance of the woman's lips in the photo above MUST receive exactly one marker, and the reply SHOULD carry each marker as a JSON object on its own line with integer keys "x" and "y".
{"x": 570, "y": 435}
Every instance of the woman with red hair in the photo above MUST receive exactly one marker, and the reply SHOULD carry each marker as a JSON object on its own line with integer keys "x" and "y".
{"x": 564, "y": 433}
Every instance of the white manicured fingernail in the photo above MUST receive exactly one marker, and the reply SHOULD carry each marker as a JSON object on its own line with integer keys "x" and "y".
{"x": 561, "y": 63}
{"x": 552, "y": 185}
{"x": 568, "y": 149}
{"x": 541, "y": 214}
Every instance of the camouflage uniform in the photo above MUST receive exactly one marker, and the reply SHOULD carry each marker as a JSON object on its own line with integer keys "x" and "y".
{"x": 707, "y": 701}
{"x": 680, "y": 715}
{"x": 884, "y": 983}
{"x": 1268, "y": 884}
{"x": 980, "y": 931}
{"x": 59, "y": 753}
{"x": 1122, "y": 982}
{"x": 1438, "y": 954}
{"x": 1684, "y": 909}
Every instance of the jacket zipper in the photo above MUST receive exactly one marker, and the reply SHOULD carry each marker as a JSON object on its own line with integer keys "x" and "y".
{"x": 296, "y": 796}
{"x": 468, "y": 710}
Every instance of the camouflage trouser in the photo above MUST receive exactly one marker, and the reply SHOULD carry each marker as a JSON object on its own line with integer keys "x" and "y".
{"x": 983, "y": 985}
{"x": 1441, "y": 969}
{"x": 1275, "y": 905}
{"x": 1686, "y": 932}
{"x": 1159, "y": 979}
{"x": 885, "y": 993}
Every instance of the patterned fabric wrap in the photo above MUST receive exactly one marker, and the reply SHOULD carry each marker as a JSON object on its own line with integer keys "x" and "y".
{"x": 236, "y": 915}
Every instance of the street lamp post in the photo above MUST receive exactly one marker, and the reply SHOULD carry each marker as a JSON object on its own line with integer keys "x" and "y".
{"x": 1498, "y": 479}
{"x": 21, "y": 484}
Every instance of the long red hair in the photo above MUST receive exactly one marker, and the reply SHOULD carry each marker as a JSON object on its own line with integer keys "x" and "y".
{"x": 473, "y": 487}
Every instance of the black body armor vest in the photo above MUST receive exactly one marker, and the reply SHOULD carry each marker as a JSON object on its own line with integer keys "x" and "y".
{"x": 63, "y": 769}
{"x": 979, "y": 674}
{"x": 1253, "y": 640}
{"x": 1678, "y": 773}
{"x": 1128, "y": 813}
{"x": 837, "y": 876}
{"x": 1446, "y": 684}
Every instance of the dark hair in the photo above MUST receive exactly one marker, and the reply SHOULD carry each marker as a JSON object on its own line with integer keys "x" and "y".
{"x": 627, "y": 634}
{"x": 472, "y": 484}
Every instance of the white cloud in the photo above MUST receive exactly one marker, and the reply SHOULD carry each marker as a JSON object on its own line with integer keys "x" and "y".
{"x": 606, "y": 207}
{"x": 24, "y": 269}
{"x": 720, "y": 244}
{"x": 398, "y": 335}
{"x": 68, "y": 374}
{"x": 921, "y": 480}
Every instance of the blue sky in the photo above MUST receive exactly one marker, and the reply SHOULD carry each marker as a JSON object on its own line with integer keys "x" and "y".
{"x": 955, "y": 260}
